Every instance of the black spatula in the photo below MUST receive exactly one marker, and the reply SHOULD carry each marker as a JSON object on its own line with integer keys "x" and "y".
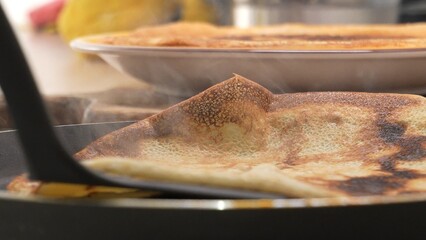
{"x": 46, "y": 158}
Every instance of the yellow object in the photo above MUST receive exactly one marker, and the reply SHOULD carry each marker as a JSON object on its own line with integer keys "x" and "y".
{"x": 80, "y": 191}
{"x": 198, "y": 10}
{"x": 84, "y": 17}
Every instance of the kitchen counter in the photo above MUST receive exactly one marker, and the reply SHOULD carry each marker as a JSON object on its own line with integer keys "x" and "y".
{"x": 60, "y": 70}
{"x": 56, "y": 67}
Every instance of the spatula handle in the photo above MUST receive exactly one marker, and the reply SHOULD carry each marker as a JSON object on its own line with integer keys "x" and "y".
{"x": 46, "y": 158}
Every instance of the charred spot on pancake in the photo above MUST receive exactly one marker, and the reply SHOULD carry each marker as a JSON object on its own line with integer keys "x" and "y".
{"x": 406, "y": 174}
{"x": 412, "y": 148}
{"x": 377, "y": 185}
{"x": 374, "y": 185}
{"x": 409, "y": 192}
{"x": 391, "y": 132}
{"x": 387, "y": 164}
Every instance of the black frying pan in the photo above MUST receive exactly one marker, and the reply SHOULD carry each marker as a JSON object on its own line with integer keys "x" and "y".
{"x": 41, "y": 218}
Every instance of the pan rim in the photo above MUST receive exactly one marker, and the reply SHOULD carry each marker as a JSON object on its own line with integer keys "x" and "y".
{"x": 221, "y": 204}
{"x": 218, "y": 205}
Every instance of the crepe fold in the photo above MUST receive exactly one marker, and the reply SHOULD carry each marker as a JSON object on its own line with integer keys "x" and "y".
{"x": 238, "y": 134}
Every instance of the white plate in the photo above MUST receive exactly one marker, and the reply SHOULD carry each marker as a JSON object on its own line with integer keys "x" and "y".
{"x": 185, "y": 72}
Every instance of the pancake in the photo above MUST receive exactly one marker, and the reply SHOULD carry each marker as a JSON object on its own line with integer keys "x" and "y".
{"x": 283, "y": 37}
{"x": 238, "y": 134}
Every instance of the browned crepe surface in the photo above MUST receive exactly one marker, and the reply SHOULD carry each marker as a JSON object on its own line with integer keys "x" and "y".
{"x": 285, "y": 37}
{"x": 307, "y": 144}
{"x": 238, "y": 134}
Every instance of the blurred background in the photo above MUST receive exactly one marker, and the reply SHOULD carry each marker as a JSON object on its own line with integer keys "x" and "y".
{"x": 76, "y": 82}
{"x": 223, "y": 11}
{"x": 45, "y": 27}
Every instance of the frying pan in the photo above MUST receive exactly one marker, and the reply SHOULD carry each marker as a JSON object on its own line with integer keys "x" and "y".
{"x": 45, "y": 218}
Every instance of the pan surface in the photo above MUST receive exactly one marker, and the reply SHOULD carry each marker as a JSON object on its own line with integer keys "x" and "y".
{"x": 42, "y": 218}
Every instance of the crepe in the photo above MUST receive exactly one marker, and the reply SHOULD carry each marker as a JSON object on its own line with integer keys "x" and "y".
{"x": 238, "y": 134}
{"x": 284, "y": 37}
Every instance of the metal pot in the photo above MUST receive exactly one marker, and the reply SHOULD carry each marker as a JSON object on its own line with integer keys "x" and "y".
{"x": 264, "y": 12}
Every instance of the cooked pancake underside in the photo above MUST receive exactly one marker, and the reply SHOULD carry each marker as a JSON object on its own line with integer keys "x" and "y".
{"x": 238, "y": 134}
{"x": 285, "y": 37}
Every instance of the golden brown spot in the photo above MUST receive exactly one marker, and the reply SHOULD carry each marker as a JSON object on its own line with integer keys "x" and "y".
{"x": 229, "y": 101}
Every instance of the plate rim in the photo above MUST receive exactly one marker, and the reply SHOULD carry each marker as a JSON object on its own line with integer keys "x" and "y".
{"x": 83, "y": 44}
